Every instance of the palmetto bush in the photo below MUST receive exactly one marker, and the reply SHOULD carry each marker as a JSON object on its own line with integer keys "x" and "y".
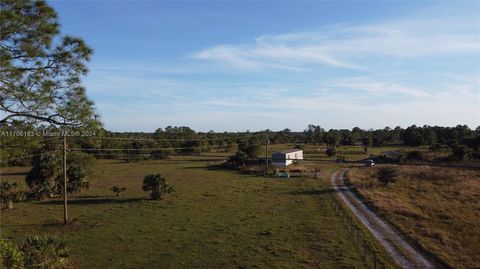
{"x": 10, "y": 256}
{"x": 44, "y": 252}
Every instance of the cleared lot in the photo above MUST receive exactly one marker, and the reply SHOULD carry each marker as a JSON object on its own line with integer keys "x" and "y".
{"x": 215, "y": 218}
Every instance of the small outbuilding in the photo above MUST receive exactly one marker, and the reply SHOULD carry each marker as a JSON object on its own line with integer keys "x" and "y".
{"x": 287, "y": 157}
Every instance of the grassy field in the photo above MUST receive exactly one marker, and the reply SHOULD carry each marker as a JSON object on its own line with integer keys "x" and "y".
{"x": 215, "y": 219}
{"x": 437, "y": 207}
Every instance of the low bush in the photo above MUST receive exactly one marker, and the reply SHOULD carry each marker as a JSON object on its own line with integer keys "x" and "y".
{"x": 34, "y": 252}
{"x": 330, "y": 152}
{"x": 10, "y": 256}
{"x": 44, "y": 252}
{"x": 302, "y": 147}
{"x": 387, "y": 175}
{"x": 161, "y": 154}
{"x": 118, "y": 190}
{"x": 158, "y": 185}
{"x": 9, "y": 193}
{"x": 461, "y": 153}
{"x": 415, "y": 156}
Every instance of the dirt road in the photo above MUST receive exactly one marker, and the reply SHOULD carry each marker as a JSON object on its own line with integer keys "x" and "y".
{"x": 402, "y": 252}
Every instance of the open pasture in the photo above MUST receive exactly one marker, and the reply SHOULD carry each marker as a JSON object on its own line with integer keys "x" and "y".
{"x": 216, "y": 218}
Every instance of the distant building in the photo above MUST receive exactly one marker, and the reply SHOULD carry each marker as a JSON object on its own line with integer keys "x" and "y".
{"x": 287, "y": 157}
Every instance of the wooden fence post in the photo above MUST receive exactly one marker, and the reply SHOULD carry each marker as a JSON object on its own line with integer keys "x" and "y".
{"x": 365, "y": 248}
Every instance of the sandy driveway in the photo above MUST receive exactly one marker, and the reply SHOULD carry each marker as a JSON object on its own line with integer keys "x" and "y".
{"x": 404, "y": 254}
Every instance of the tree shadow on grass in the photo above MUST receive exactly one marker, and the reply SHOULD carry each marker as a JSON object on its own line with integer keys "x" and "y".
{"x": 93, "y": 201}
{"x": 356, "y": 165}
{"x": 48, "y": 224}
{"x": 312, "y": 192}
{"x": 72, "y": 223}
{"x": 90, "y": 197}
{"x": 217, "y": 167}
{"x": 14, "y": 174}
{"x": 181, "y": 161}
{"x": 194, "y": 167}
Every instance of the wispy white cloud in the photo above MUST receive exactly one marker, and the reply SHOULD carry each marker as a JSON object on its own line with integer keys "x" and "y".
{"x": 244, "y": 57}
{"x": 412, "y": 71}
{"x": 347, "y": 46}
{"x": 380, "y": 87}
{"x": 263, "y": 55}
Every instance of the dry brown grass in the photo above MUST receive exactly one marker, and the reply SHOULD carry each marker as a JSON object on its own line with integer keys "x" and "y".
{"x": 438, "y": 207}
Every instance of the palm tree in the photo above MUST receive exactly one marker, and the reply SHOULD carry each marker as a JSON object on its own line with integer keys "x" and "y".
{"x": 158, "y": 185}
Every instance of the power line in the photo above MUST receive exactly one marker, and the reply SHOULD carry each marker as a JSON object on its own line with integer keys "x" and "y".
{"x": 110, "y": 154}
{"x": 210, "y": 146}
{"x": 2, "y": 147}
{"x": 28, "y": 156}
{"x": 159, "y": 139}
{"x": 147, "y": 153}
{"x": 143, "y": 149}
{"x": 18, "y": 145}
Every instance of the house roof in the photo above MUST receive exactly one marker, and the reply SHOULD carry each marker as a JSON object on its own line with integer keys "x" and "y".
{"x": 289, "y": 151}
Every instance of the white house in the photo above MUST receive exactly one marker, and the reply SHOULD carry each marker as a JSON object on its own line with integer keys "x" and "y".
{"x": 287, "y": 157}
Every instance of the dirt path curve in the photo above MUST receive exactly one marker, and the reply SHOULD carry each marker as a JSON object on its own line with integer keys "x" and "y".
{"x": 404, "y": 254}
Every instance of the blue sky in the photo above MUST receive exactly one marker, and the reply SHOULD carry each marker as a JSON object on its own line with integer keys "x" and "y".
{"x": 228, "y": 65}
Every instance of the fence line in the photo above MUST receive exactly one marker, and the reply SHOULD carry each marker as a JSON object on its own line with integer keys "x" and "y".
{"x": 372, "y": 258}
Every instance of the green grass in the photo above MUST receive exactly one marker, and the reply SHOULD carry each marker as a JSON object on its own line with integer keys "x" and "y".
{"x": 216, "y": 218}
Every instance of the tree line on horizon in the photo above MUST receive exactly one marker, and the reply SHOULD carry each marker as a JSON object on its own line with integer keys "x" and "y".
{"x": 133, "y": 146}
{"x": 41, "y": 90}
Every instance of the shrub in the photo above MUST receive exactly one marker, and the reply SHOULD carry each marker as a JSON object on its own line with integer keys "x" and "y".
{"x": 240, "y": 158}
{"x": 161, "y": 154}
{"x": 117, "y": 190}
{"x": 46, "y": 177}
{"x": 253, "y": 151}
{"x": 387, "y": 175}
{"x": 10, "y": 256}
{"x": 158, "y": 186}
{"x": 44, "y": 252}
{"x": 302, "y": 147}
{"x": 10, "y": 194}
{"x": 77, "y": 177}
{"x": 43, "y": 179}
{"x": 415, "y": 156}
{"x": 461, "y": 153}
{"x": 191, "y": 147}
{"x": 435, "y": 147}
{"x": 330, "y": 152}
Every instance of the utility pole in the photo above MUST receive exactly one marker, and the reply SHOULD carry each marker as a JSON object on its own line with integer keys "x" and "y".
{"x": 65, "y": 210}
{"x": 266, "y": 151}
